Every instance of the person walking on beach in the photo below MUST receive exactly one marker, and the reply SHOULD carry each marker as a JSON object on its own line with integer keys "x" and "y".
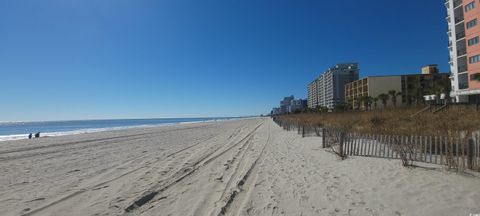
{"x": 37, "y": 135}
{"x": 30, "y": 136}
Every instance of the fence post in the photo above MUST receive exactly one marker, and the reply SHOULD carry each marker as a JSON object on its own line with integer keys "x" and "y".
{"x": 323, "y": 138}
{"x": 345, "y": 148}
{"x": 477, "y": 152}
{"x": 358, "y": 144}
{"x": 342, "y": 139}
{"x": 442, "y": 149}
{"x": 470, "y": 153}
{"x": 303, "y": 130}
{"x": 430, "y": 147}
{"x": 436, "y": 150}
{"x": 350, "y": 145}
{"x": 383, "y": 145}
{"x": 457, "y": 153}
{"x": 354, "y": 143}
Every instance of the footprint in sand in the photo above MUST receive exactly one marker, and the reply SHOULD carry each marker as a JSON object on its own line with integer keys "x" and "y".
{"x": 354, "y": 191}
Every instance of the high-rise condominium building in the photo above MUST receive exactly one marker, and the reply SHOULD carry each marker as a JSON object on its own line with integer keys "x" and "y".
{"x": 312, "y": 94}
{"x": 463, "y": 17}
{"x": 328, "y": 90}
{"x": 289, "y": 105}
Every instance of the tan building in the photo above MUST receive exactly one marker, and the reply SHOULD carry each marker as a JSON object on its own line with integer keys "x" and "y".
{"x": 372, "y": 86}
{"x": 312, "y": 96}
{"x": 430, "y": 69}
{"x": 411, "y": 86}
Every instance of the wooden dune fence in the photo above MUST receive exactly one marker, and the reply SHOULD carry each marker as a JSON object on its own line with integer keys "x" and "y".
{"x": 451, "y": 152}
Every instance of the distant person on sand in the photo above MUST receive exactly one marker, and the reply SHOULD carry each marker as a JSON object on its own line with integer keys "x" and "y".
{"x": 37, "y": 135}
{"x": 30, "y": 136}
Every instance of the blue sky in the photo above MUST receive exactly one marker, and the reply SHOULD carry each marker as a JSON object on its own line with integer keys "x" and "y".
{"x": 80, "y": 59}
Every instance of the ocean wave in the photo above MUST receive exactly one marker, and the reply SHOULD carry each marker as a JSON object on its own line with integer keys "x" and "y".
{"x": 93, "y": 130}
{"x": 80, "y": 131}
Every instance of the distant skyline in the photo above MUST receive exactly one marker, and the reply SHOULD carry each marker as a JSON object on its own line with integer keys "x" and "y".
{"x": 62, "y": 60}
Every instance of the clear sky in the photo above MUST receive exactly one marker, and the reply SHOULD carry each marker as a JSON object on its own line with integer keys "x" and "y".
{"x": 81, "y": 59}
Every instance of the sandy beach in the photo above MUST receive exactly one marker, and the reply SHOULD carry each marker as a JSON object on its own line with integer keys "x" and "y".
{"x": 239, "y": 167}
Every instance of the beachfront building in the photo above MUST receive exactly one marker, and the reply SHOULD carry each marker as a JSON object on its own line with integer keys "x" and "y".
{"x": 285, "y": 104}
{"x": 412, "y": 87}
{"x": 276, "y": 111}
{"x": 297, "y": 105}
{"x": 430, "y": 69}
{"x": 415, "y": 86}
{"x": 312, "y": 94}
{"x": 328, "y": 90}
{"x": 371, "y": 86}
{"x": 290, "y": 105}
{"x": 463, "y": 19}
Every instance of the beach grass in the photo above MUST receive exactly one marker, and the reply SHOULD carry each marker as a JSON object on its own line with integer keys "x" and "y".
{"x": 399, "y": 121}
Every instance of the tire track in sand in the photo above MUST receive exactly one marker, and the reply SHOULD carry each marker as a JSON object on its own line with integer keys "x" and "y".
{"x": 236, "y": 195}
{"x": 82, "y": 144}
{"x": 95, "y": 186}
{"x": 184, "y": 173}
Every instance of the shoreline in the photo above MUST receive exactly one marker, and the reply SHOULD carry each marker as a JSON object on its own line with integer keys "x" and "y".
{"x": 14, "y": 137}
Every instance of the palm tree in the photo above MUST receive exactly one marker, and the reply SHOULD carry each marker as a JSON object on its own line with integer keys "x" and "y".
{"x": 369, "y": 100}
{"x": 384, "y": 98}
{"x": 363, "y": 101}
{"x": 439, "y": 87}
{"x": 349, "y": 103}
{"x": 357, "y": 102}
{"x": 417, "y": 92}
{"x": 393, "y": 94}
{"x": 375, "y": 101}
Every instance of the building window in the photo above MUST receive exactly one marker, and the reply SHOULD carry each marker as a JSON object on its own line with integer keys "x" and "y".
{"x": 470, "y": 6}
{"x": 472, "y": 23}
{"x": 463, "y": 81}
{"x": 475, "y": 77}
{"x": 473, "y": 41}
{"x": 474, "y": 59}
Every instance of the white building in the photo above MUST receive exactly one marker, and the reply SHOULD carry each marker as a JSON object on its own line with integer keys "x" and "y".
{"x": 328, "y": 90}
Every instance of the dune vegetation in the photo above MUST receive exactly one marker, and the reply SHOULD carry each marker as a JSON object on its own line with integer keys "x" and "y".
{"x": 399, "y": 121}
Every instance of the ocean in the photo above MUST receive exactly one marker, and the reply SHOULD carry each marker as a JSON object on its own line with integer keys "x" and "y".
{"x": 20, "y": 130}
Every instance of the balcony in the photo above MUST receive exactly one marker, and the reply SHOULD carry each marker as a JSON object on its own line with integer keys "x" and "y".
{"x": 461, "y": 52}
{"x": 463, "y": 85}
{"x": 460, "y": 35}
{"x": 462, "y": 68}
{"x": 458, "y": 19}
{"x": 457, "y": 3}
{"x": 463, "y": 81}
{"x": 458, "y": 15}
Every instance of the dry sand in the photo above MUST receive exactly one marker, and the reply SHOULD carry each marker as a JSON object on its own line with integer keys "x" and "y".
{"x": 241, "y": 167}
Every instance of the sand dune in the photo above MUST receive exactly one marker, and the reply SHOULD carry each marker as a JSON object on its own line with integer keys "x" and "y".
{"x": 241, "y": 167}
